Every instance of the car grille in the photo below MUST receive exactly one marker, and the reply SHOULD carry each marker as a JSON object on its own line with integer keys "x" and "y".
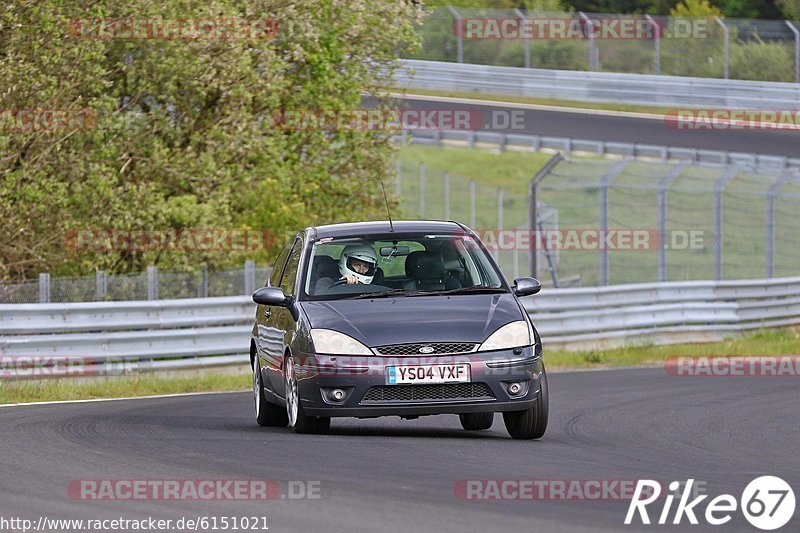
{"x": 439, "y": 348}
{"x": 412, "y": 393}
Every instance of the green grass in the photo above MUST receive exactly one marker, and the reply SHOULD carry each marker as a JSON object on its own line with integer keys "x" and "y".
{"x": 546, "y": 101}
{"x": 119, "y": 387}
{"x": 765, "y": 342}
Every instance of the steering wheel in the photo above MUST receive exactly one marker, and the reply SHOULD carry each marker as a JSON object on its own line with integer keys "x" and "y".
{"x": 338, "y": 282}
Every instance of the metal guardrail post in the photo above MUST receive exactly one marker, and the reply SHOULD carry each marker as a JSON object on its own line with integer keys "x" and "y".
{"x": 101, "y": 285}
{"x": 727, "y": 34}
{"x": 796, "y": 50}
{"x": 657, "y": 42}
{"x": 770, "y": 245}
{"x": 421, "y": 189}
{"x": 526, "y": 42}
{"x": 472, "y": 204}
{"x": 446, "y": 179}
{"x": 719, "y": 186}
{"x": 663, "y": 183}
{"x": 605, "y": 183}
{"x": 152, "y": 282}
{"x": 533, "y": 214}
{"x": 249, "y": 276}
{"x": 459, "y": 34}
{"x": 590, "y": 33}
{"x": 44, "y": 288}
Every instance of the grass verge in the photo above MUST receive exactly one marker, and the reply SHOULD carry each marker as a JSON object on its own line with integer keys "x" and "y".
{"x": 601, "y": 106}
{"x": 62, "y": 389}
{"x": 766, "y": 342}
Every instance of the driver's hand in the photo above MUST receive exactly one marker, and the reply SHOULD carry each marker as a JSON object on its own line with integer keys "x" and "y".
{"x": 351, "y": 279}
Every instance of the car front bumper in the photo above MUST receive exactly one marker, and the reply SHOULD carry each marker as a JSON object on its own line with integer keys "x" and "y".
{"x": 364, "y": 380}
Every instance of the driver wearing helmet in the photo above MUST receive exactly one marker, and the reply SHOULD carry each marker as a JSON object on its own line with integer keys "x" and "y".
{"x": 357, "y": 264}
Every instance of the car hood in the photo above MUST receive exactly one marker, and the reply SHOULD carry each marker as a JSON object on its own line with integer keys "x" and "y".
{"x": 458, "y": 318}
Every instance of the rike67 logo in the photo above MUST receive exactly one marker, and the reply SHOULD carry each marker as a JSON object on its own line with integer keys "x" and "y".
{"x": 767, "y": 502}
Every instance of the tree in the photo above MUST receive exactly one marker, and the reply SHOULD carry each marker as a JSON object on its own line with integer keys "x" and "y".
{"x": 181, "y": 135}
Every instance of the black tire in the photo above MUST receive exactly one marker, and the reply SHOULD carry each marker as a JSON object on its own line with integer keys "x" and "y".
{"x": 311, "y": 424}
{"x": 530, "y": 423}
{"x": 302, "y": 423}
{"x": 267, "y": 414}
{"x": 476, "y": 421}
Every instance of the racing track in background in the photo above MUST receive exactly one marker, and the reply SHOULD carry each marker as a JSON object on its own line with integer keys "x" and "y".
{"x": 616, "y": 127}
{"x": 391, "y": 475}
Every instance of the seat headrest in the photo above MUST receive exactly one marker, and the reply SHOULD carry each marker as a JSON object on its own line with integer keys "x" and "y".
{"x": 411, "y": 262}
{"x": 429, "y": 266}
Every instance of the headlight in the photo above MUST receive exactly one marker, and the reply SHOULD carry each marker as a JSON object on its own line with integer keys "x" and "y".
{"x": 511, "y": 335}
{"x": 331, "y": 342}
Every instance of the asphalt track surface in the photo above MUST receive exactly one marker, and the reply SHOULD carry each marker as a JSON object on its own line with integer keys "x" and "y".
{"x": 600, "y": 127}
{"x": 392, "y": 475}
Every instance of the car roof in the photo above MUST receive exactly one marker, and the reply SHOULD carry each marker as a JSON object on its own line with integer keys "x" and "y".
{"x": 382, "y": 226}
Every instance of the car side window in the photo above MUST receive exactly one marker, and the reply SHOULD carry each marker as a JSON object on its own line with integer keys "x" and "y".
{"x": 280, "y": 262}
{"x": 290, "y": 272}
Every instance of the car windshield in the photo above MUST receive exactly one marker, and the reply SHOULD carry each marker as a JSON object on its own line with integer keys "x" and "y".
{"x": 398, "y": 265}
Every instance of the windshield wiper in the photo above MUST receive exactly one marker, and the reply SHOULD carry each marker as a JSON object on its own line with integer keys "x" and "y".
{"x": 381, "y": 294}
{"x": 474, "y": 289}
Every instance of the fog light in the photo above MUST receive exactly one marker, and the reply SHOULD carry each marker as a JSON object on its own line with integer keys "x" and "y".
{"x": 338, "y": 394}
{"x": 514, "y": 388}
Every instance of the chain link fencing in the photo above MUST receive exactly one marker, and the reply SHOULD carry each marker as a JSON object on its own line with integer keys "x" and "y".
{"x": 749, "y": 49}
{"x": 152, "y": 284}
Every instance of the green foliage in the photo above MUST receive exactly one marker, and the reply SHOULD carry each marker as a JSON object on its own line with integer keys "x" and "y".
{"x": 760, "y": 60}
{"x": 790, "y": 8}
{"x": 695, "y": 8}
{"x": 182, "y": 136}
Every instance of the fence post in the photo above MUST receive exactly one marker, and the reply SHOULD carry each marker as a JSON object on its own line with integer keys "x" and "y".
{"x": 203, "y": 292}
{"x": 533, "y": 215}
{"x": 719, "y": 186}
{"x": 249, "y": 277}
{"x": 472, "y": 204}
{"x": 399, "y": 168}
{"x": 771, "y": 194}
{"x": 152, "y": 282}
{"x": 796, "y": 50}
{"x": 590, "y": 32}
{"x": 605, "y": 183}
{"x": 101, "y": 285}
{"x": 727, "y": 35}
{"x": 459, "y": 34}
{"x": 446, "y": 195}
{"x": 44, "y": 288}
{"x": 526, "y": 42}
{"x": 657, "y": 42}
{"x": 663, "y": 183}
{"x": 421, "y": 190}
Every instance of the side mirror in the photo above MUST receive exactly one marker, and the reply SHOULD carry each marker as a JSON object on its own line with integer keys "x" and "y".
{"x": 269, "y": 296}
{"x": 526, "y": 286}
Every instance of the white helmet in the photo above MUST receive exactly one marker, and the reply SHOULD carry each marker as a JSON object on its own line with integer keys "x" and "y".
{"x": 358, "y": 252}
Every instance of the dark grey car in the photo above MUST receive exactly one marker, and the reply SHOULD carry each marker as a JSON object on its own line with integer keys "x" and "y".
{"x": 437, "y": 330}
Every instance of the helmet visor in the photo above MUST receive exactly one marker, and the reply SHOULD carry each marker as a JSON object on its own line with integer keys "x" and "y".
{"x": 362, "y": 267}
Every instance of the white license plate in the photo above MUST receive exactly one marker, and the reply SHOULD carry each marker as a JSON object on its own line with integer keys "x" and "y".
{"x": 417, "y": 374}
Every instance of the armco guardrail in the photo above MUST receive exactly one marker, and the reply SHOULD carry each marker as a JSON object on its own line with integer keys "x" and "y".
{"x": 663, "y": 313}
{"x": 605, "y": 87}
{"x": 169, "y": 334}
{"x": 536, "y": 143}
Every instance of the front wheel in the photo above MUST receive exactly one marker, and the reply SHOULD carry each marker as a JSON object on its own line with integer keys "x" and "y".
{"x": 530, "y": 423}
{"x": 476, "y": 421}
{"x": 267, "y": 414}
{"x": 298, "y": 420}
